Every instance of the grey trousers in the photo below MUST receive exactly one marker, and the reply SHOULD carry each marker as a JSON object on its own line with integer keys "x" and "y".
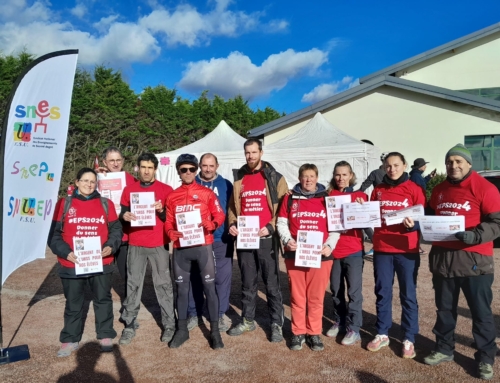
{"x": 136, "y": 270}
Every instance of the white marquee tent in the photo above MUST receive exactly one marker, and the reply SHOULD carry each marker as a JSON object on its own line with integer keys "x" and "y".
{"x": 318, "y": 142}
{"x": 223, "y": 141}
{"x": 321, "y": 143}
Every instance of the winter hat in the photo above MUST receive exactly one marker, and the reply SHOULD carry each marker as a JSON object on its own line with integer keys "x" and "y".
{"x": 459, "y": 150}
{"x": 186, "y": 159}
{"x": 418, "y": 163}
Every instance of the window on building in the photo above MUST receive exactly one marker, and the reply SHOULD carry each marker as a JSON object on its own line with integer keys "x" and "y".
{"x": 493, "y": 93}
{"x": 485, "y": 151}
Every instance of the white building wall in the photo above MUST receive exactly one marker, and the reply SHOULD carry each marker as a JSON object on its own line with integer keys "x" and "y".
{"x": 414, "y": 124}
{"x": 475, "y": 65}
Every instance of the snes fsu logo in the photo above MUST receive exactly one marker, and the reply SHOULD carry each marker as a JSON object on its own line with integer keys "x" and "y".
{"x": 26, "y": 124}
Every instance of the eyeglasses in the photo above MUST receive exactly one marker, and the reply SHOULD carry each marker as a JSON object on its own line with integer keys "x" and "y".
{"x": 92, "y": 182}
{"x": 115, "y": 161}
{"x": 185, "y": 170}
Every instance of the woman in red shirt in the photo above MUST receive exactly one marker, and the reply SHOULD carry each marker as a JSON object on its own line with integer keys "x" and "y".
{"x": 347, "y": 264}
{"x": 85, "y": 216}
{"x": 304, "y": 209}
{"x": 396, "y": 251}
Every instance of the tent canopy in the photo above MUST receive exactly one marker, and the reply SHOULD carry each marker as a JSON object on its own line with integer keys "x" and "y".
{"x": 316, "y": 133}
{"x": 323, "y": 144}
{"x": 318, "y": 142}
{"x": 222, "y": 140}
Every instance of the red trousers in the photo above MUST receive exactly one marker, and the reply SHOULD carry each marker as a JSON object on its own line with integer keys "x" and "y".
{"x": 307, "y": 294}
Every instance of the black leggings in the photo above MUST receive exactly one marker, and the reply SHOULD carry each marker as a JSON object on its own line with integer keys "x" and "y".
{"x": 183, "y": 260}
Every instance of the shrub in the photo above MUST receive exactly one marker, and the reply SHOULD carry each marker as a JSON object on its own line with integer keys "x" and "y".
{"x": 440, "y": 177}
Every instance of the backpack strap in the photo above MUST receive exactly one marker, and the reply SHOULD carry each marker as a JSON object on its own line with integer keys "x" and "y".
{"x": 104, "y": 203}
{"x": 289, "y": 203}
{"x": 67, "y": 205}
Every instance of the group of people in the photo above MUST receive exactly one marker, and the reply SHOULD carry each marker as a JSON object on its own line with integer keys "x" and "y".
{"x": 202, "y": 273}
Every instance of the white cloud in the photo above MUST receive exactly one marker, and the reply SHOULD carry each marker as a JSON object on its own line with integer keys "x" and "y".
{"x": 323, "y": 91}
{"x": 185, "y": 25}
{"x": 80, "y": 10}
{"x": 124, "y": 43}
{"x": 38, "y": 29}
{"x": 105, "y": 23}
{"x": 19, "y": 12}
{"x": 236, "y": 74}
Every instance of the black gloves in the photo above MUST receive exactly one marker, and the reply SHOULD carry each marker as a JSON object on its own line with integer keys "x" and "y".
{"x": 468, "y": 237}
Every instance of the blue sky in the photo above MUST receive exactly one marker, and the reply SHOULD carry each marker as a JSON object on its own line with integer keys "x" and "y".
{"x": 286, "y": 54}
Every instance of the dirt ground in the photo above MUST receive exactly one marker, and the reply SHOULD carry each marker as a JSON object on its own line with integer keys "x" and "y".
{"x": 32, "y": 312}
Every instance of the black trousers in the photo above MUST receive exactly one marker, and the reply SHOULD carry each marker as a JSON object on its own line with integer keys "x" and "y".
{"x": 478, "y": 293}
{"x": 250, "y": 263}
{"x": 348, "y": 271}
{"x": 183, "y": 260}
{"x": 73, "y": 311}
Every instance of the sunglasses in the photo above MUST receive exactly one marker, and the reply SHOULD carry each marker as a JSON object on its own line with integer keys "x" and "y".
{"x": 185, "y": 170}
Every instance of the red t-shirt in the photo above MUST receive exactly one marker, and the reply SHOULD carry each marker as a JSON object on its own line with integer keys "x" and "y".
{"x": 395, "y": 238}
{"x": 305, "y": 214}
{"x": 254, "y": 198}
{"x": 194, "y": 197}
{"x": 350, "y": 241}
{"x": 147, "y": 236}
{"x": 85, "y": 219}
{"x": 473, "y": 198}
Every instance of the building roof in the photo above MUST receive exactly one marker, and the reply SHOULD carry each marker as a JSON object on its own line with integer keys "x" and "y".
{"x": 390, "y": 70}
{"x": 360, "y": 90}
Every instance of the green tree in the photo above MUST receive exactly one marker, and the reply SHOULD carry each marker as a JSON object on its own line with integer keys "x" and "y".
{"x": 10, "y": 69}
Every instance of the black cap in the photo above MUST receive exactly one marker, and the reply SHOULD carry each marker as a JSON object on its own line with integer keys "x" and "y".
{"x": 186, "y": 159}
{"x": 418, "y": 163}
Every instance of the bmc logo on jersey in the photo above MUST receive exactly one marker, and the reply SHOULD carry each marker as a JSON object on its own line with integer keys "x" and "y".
{"x": 185, "y": 208}
{"x": 395, "y": 203}
{"x": 454, "y": 205}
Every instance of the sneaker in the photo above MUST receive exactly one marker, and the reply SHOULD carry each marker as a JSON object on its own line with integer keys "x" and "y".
{"x": 67, "y": 348}
{"x": 378, "y": 342}
{"x": 408, "y": 350}
{"x": 297, "y": 342}
{"x": 167, "y": 335}
{"x": 334, "y": 330}
{"x": 193, "y": 322}
{"x": 314, "y": 341}
{"x": 106, "y": 344}
{"x": 435, "y": 358}
{"x": 244, "y": 326}
{"x": 223, "y": 326}
{"x": 276, "y": 333}
{"x": 351, "y": 338}
{"x": 127, "y": 335}
{"x": 485, "y": 371}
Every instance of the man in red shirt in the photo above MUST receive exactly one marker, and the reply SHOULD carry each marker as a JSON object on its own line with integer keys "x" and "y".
{"x": 113, "y": 161}
{"x": 198, "y": 200}
{"x": 258, "y": 191}
{"x": 466, "y": 264}
{"x": 147, "y": 243}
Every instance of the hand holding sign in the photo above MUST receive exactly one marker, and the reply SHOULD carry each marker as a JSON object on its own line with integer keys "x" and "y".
{"x": 106, "y": 252}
